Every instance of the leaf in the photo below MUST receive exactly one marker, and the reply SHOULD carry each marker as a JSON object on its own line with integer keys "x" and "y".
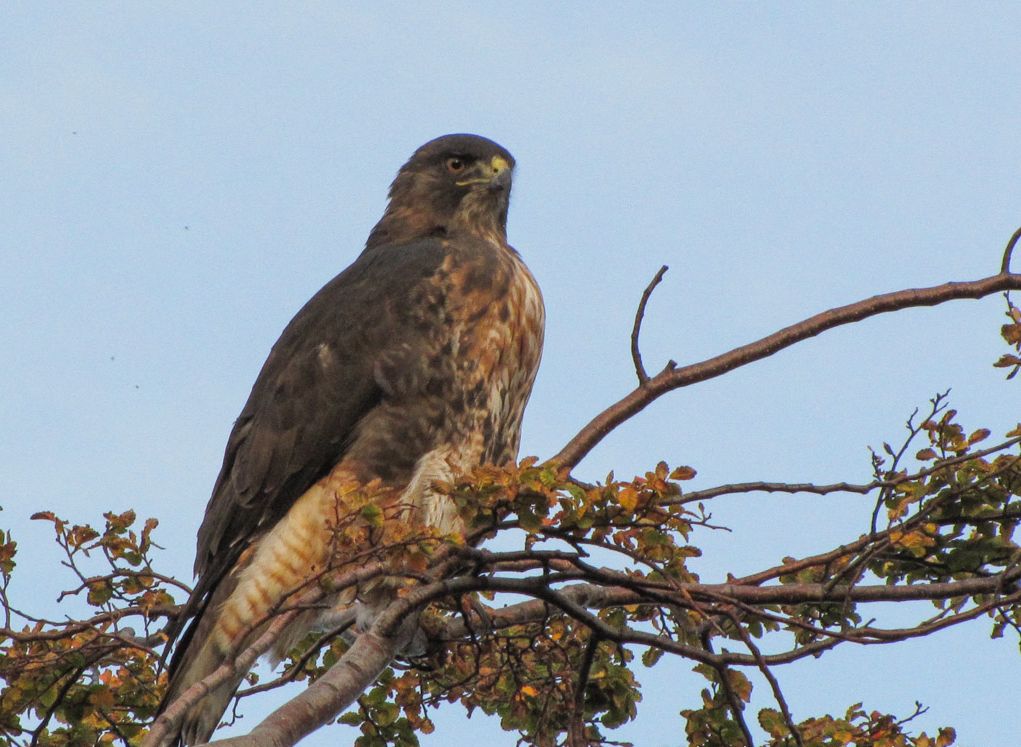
{"x": 529, "y": 520}
{"x": 372, "y": 515}
{"x": 980, "y": 435}
{"x": 771, "y": 720}
{"x": 651, "y": 656}
{"x": 102, "y": 698}
{"x": 947, "y": 736}
{"x": 683, "y": 473}
{"x": 628, "y": 498}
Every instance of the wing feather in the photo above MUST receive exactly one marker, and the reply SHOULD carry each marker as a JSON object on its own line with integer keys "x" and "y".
{"x": 315, "y": 387}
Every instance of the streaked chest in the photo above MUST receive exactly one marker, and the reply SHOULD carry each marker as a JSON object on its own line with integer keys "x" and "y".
{"x": 498, "y": 339}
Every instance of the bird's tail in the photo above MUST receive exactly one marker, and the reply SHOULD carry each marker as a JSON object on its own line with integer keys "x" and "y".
{"x": 199, "y": 654}
{"x": 239, "y": 610}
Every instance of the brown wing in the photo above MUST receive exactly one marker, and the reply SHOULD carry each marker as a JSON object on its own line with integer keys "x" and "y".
{"x": 318, "y": 384}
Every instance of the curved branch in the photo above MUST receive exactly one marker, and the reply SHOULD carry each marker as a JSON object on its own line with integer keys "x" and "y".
{"x": 68, "y": 628}
{"x": 636, "y": 353}
{"x": 1008, "y": 251}
{"x": 671, "y": 378}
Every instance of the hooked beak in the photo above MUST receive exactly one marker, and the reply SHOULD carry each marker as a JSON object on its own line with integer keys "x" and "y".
{"x": 496, "y": 175}
{"x": 500, "y": 181}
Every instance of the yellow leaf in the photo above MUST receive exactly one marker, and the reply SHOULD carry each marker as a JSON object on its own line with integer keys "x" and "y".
{"x": 628, "y": 498}
{"x": 915, "y": 539}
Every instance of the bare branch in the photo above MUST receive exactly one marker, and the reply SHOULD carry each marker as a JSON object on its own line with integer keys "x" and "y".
{"x": 295, "y": 669}
{"x": 636, "y": 354}
{"x": 1008, "y": 251}
{"x": 68, "y": 628}
{"x": 671, "y": 378}
{"x": 836, "y": 487}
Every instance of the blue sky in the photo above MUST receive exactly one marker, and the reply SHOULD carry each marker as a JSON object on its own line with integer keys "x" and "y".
{"x": 177, "y": 179}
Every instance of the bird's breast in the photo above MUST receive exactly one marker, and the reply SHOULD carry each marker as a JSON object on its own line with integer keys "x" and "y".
{"x": 500, "y": 338}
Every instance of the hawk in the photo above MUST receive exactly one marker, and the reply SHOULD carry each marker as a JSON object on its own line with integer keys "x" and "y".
{"x": 412, "y": 365}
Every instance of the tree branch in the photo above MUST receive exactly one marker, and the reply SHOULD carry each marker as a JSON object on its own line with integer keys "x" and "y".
{"x": 671, "y": 378}
{"x": 576, "y": 736}
{"x": 837, "y": 487}
{"x": 1008, "y": 251}
{"x": 774, "y": 685}
{"x": 593, "y": 596}
{"x": 636, "y": 354}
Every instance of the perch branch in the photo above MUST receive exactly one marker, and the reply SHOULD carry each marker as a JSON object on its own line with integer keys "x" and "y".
{"x": 671, "y": 378}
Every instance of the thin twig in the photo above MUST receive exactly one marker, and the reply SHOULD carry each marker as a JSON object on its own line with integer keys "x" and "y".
{"x": 636, "y": 354}
{"x": 770, "y": 678}
{"x": 937, "y": 404}
{"x": 837, "y": 487}
{"x": 1008, "y": 251}
{"x": 298, "y": 666}
{"x": 57, "y": 702}
{"x": 736, "y": 707}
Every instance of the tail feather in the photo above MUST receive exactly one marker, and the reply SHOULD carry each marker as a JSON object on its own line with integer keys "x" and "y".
{"x": 266, "y": 571}
{"x": 201, "y": 719}
{"x": 198, "y": 655}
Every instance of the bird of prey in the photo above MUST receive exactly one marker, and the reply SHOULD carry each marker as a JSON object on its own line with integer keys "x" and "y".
{"x": 412, "y": 365}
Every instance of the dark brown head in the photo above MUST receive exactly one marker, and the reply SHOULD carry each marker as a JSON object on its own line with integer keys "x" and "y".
{"x": 453, "y": 184}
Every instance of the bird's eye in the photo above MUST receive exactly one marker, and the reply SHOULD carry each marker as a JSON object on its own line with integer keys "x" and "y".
{"x": 456, "y": 165}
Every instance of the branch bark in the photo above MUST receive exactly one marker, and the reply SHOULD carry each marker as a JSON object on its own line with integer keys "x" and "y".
{"x": 671, "y": 377}
{"x": 636, "y": 330}
{"x": 320, "y": 703}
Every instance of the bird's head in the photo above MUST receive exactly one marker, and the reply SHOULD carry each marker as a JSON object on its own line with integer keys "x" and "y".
{"x": 453, "y": 184}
